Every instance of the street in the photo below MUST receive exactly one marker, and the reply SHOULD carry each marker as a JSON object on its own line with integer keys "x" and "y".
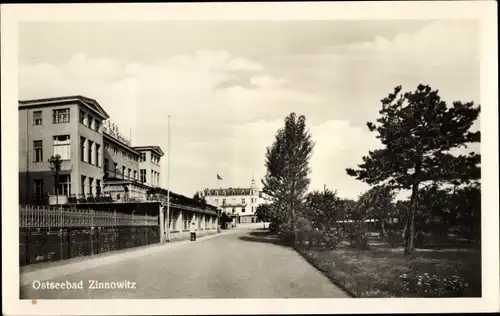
{"x": 243, "y": 264}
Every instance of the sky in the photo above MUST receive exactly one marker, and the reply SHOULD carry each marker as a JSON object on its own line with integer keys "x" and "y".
{"x": 228, "y": 86}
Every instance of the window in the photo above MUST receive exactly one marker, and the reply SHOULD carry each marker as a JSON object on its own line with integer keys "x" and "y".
{"x": 143, "y": 157}
{"x": 37, "y": 151}
{"x": 98, "y": 187}
{"x": 83, "y": 116}
{"x": 253, "y": 209}
{"x": 152, "y": 177}
{"x": 185, "y": 223}
{"x": 106, "y": 145}
{"x": 97, "y": 155}
{"x": 243, "y": 210}
{"x": 90, "y": 121}
{"x": 123, "y": 172}
{"x": 82, "y": 148}
{"x": 38, "y": 189}
{"x": 62, "y": 146}
{"x": 37, "y": 118}
{"x": 223, "y": 201}
{"x": 143, "y": 175}
{"x": 135, "y": 174}
{"x": 97, "y": 125}
{"x": 216, "y": 201}
{"x": 89, "y": 157}
{"x": 233, "y": 211}
{"x": 117, "y": 171}
{"x": 242, "y": 201}
{"x": 106, "y": 164}
{"x": 64, "y": 187}
{"x": 91, "y": 185}
{"x": 84, "y": 179}
{"x": 60, "y": 116}
{"x": 129, "y": 173}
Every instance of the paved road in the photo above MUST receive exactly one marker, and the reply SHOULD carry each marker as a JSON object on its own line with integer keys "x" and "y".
{"x": 246, "y": 264}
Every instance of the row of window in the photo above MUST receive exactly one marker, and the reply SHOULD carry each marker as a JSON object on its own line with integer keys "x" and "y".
{"x": 90, "y": 185}
{"x": 154, "y": 159}
{"x": 63, "y": 187}
{"x": 89, "y": 121}
{"x": 61, "y": 145}
{"x": 118, "y": 151}
{"x": 186, "y": 222}
{"x": 155, "y": 178}
{"x": 90, "y": 152}
{"x": 58, "y": 116}
{"x": 252, "y": 200}
{"x": 243, "y": 210}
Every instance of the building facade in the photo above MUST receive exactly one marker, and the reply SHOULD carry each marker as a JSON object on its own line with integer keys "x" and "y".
{"x": 96, "y": 159}
{"x": 239, "y": 203}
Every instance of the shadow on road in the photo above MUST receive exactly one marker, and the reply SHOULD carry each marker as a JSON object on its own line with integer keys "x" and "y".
{"x": 263, "y": 237}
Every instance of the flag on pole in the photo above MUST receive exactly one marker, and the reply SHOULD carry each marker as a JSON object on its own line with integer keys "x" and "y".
{"x": 219, "y": 177}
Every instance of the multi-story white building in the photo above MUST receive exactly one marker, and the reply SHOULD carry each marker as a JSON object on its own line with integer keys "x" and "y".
{"x": 239, "y": 203}
{"x": 96, "y": 159}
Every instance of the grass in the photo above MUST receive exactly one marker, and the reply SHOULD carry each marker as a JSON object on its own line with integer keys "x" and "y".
{"x": 377, "y": 272}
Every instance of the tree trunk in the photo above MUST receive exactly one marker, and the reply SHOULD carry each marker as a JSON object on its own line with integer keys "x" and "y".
{"x": 382, "y": 227}
{"x": 410, "y": 224}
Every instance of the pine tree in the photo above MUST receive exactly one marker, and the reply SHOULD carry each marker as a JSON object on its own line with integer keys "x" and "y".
{"x": 287, "y": 163}
{"x": 418, "y": 131}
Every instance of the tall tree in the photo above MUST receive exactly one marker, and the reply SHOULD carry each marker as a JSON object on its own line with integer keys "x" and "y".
{"x": 287, "y": 163}
{"x": 418, "y": 131}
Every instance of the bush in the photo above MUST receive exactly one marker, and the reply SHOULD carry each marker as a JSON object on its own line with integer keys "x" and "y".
{"x": 287, "y": 236}
{"x": 395, "y": 239}
{"x": 332, "y": 237}
{"x": 359, "y": 241}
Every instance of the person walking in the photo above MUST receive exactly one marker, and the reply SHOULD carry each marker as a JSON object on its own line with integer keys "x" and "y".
{"x": 192, "y": 230}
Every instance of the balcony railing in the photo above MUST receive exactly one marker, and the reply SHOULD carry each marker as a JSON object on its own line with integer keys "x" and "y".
{"x": 117, "y": 135}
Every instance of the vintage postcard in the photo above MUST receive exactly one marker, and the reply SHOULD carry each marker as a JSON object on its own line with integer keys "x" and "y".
{"x": 249, "y": 158}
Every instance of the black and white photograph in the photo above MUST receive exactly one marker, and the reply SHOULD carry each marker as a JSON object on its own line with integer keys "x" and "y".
{"x": 267, "y": 156}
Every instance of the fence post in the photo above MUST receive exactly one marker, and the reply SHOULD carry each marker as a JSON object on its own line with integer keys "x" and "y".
{"x": 91, "y": 231}
{"x": 61, "y": 233}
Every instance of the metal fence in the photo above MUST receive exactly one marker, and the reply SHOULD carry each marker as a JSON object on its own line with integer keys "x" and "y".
{"x": 53, "y": 217}
{"x": 56, "y": 233}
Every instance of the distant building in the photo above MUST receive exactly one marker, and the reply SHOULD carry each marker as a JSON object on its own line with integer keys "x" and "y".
{"x": 97, "y": 159}
{"x": 239, "y": 203}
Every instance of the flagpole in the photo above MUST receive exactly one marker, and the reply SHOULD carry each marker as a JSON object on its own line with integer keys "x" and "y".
{"x": 169, "y": 156}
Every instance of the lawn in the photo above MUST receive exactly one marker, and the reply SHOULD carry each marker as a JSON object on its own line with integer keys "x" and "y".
{"x": 385, "y": 272}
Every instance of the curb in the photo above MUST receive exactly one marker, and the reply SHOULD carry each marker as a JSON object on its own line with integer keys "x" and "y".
{"x": 335, "y": 282}
{"x": 89, "y": 262}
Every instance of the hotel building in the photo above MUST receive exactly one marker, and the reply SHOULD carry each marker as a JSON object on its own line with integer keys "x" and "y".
{"x": 239, "y": 203}
{"x": 97, "y": 160}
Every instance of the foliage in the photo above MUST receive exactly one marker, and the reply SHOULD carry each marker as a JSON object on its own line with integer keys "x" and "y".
{"x": 224, "y": 220}
{"x": 322, "y": 209}
{"x": 198, "y": 198}
{"x": 263, "y": 212}
{"x": 418, "y": 130}
{"x": 55, "y": 163}
{"x": 287, "y": 163}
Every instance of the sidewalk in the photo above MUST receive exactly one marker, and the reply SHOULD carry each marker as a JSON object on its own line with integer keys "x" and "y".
{"x": 50, "y": 270}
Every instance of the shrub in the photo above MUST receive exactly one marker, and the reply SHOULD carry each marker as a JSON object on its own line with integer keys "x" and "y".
{"x": 359, "y": 241}
{"x": 395, "y": 239}
{"x": 287, "y": 236}
{"x": 332, "y": 237}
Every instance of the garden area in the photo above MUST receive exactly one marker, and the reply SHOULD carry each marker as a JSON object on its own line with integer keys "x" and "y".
{"x": 380, "y": 244}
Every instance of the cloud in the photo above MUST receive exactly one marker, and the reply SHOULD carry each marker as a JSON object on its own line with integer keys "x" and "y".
{"x": 225, "y": 108}
{"x": 241, "y": 64}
